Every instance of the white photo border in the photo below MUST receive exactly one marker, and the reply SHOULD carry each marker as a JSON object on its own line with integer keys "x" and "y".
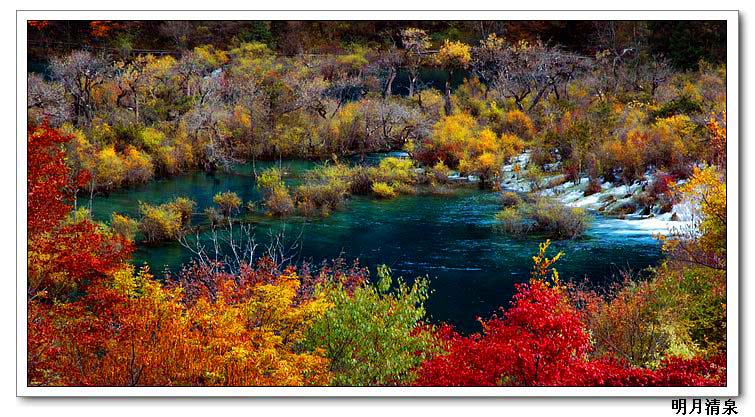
{"x": 732, "y": 307}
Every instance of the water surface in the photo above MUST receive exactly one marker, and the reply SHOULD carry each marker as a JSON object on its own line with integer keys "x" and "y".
{"x": 448, "y": 238}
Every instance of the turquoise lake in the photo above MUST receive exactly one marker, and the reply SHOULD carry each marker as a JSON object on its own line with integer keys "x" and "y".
{"x": 450, "y": 238}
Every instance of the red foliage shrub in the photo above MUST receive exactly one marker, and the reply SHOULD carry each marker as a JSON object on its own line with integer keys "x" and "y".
{"x": 593, "y": 186}
{"x": 430, "y": 154}
{"x": 541, "y": 341}
{"x": 62, "y": 253}
{"x": 538, "y": 341}
{"x": 662, "y": 183}
{"x": 48, "y": 183}
{"x": 571, "y": 171}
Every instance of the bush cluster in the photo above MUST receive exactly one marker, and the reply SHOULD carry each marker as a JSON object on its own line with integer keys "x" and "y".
{"x": 541, "y": 216}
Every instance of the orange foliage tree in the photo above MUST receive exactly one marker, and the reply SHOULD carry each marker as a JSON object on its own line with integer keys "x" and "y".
{"x": 94, "y": 320}
{"x": 132, "y": 331}
{"x": 63, "y": 251}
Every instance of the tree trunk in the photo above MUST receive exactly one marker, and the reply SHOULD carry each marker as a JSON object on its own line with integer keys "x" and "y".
{"x": 389, "y": 85}
{"x": 136, "y": 100}
{"x": 537, "y": 98}
{"x": 448, "y": 96}
{"x": 412, "y": 83}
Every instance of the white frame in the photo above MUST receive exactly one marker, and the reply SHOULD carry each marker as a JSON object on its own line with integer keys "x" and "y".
{"x": 732, "y": 386}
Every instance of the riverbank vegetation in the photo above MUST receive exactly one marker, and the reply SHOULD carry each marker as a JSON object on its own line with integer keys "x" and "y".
{"x": 540, "y": 215}
{"x": 621, "y": 114}
{"x": 94, "y": 319}
{"x": 610, "y": 115}
{"x": 508, "y": 112}
{"x": 166, "y": 221}
{"x": 327, "y": 187}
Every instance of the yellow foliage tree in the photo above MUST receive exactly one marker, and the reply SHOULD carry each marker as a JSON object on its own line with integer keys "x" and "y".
{"x": 110, "y": 169}
{"x": 705, "y": 244}
{"x": 453, "y": 56}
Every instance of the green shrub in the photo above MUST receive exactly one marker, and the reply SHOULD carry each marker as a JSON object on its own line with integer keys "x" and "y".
{"x": 166, "y": 221}
{"x": 631, "y": 323}
{"x": 680, "y": 105}
{"x": 543, "y": 216}
{"x": 228, "y": 202}
{"x": 275, "y": 193}
{"x": 374, "y": 336}
{"x": 396, "y": 170}
{"x": 124, "y": 226}
{"x": 151, "y": 138}
{"x": 127, "y": 133}
{"x": 703, "y": 310}
{"x": 383, "y": 190}
{"x": 677, "y": 312}
{"x": 77, "y": 216}
{"x": 325, "y": 189}
{"x": 510, "y": 199}
{"x": 279, "y": 202}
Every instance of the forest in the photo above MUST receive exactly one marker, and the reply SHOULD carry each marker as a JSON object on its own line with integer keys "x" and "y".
{"x": 540, "y": 134}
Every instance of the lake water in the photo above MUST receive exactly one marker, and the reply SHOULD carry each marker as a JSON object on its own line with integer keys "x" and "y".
{"x": 472, "y": 268}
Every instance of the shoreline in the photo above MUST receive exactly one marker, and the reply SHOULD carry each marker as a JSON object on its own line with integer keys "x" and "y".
{"x": 614, "y": 201}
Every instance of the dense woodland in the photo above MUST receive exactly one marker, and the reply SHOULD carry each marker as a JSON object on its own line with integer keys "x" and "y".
{"x": 118, "y": 104}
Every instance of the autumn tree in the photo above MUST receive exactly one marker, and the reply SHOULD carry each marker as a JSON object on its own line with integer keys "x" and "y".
{"x": 129, "y": 330}
{"x": 620, "y": 46}
{"x": 80, "y": 73}
{"x": 179, "y": 31}
{"x": 387, "y": 65}
{"x": 130, "y": 79}
{"x": 525, "y": 70}
{"x": 717, "y": 140}
{"x": 47, "y": 101}
{"x": 704, "y": 241}
{"x": 452, "y": 56}
{"x": 63, "y": 251}
{"x": 653, "y": 75}
{"x": 416, "y": 43}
